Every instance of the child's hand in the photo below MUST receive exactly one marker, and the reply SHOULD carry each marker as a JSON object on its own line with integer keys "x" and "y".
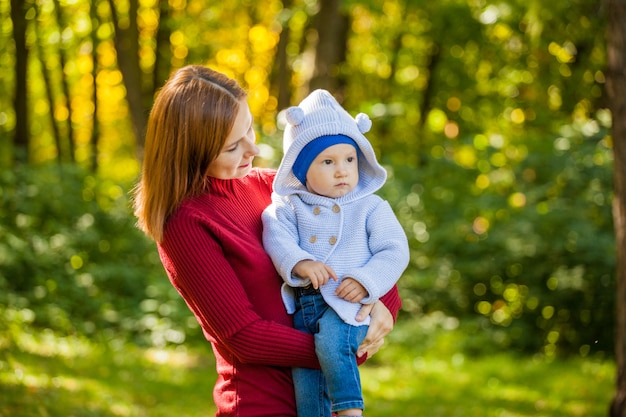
{"x": 351, "y": 290}
{"x": 317, "y": 272}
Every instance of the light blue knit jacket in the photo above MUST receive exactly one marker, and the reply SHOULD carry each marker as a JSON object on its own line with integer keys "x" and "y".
{"x": 358, "y": 234}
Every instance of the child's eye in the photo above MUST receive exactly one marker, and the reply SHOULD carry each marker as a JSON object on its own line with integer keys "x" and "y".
{"x": 327, "y": 162}
{"x": 351, "y": 159}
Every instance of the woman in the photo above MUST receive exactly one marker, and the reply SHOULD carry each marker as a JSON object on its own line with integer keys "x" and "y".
{"x": 200, "y": 199}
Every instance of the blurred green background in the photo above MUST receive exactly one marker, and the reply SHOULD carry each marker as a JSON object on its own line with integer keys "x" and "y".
{"x": 490, "y": 117}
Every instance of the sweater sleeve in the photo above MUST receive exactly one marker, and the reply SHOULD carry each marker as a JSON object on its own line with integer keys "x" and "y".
{"x": 281, "y": 241}
{"x": 390, "y": 254}
{"x": 199, "y": 270}
{"x": 392, "y": 301}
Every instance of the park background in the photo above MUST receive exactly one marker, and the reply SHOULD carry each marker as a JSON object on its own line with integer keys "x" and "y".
{"x": 491, "y": 118}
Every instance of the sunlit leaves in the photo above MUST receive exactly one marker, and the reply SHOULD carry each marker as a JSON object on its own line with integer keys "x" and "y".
{"x": 437, "y": 120}
{"x": 486, "y": 113}
{"x": 465, "y": 156}
{"x": 262, "y": 39}
{"x": 563, "y": 53}
{"x": 517, "y": 200}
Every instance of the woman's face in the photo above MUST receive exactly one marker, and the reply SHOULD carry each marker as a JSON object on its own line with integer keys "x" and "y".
{"x": 235, "y": 158}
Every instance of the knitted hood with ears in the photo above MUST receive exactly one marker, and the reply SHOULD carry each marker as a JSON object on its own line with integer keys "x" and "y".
{"x": 319, "y": 114}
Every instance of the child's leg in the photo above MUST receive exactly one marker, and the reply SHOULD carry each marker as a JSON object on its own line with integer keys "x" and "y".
{"x": 310, "y": 386}
{"x": 336, "y": 344}
{"x": 311, "y": 395}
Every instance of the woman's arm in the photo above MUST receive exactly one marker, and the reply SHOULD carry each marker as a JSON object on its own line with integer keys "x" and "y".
{"x": 383, "y": 314}
{"x": 219, "y": 294}
{"x": 392, "y": 301}
{"x": 259, "y": 341}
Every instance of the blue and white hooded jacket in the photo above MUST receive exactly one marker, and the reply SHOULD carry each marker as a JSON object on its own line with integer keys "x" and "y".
{"x": 357, "y": 234}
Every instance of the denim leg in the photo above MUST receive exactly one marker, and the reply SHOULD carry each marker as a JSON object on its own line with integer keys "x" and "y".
{"x": 336, "y": 344}
{"x": 312, "y": 398}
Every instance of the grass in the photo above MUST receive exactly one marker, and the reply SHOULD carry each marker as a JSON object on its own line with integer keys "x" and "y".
{"x": 48, "y": 375}
{"x": 497, "y": 386}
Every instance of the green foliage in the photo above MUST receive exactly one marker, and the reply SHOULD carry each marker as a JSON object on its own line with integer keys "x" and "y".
{"x": 420, "y": 372}
{"x": 522, "y": 258}
{"x": 523, "y": 252}
{"x": 72, "y": 261}
{"x": 489, "y": 116}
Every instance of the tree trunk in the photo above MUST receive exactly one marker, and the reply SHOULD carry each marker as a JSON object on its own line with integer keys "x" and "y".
{"x": 20, "y": 136}
{"x": 127, "y": 48}
{"x": 616, "y": 91}
{"x": 425, "y": 107}
{"x": 47, "y": 81}
{"x": 162, "y": 63}
{"x": 65, "y": 84}
{"x": 332, "y": 27}
{"x": 281, "y": 72}
{"x": 95, "y": 125}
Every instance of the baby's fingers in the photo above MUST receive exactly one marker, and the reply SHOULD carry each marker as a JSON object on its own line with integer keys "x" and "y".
{"x": 331, "y": 273}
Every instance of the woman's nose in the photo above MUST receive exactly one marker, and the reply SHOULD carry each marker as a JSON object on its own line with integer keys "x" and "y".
{"x": 253, "y": 149}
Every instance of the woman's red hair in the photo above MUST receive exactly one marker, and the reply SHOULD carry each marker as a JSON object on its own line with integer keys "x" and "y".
{"x": 190, "y": 120}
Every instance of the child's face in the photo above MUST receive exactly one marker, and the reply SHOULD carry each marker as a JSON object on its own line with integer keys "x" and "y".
{"x": 335, "y": 171}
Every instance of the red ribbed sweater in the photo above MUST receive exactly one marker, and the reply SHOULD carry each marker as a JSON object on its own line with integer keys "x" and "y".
{"x": 213, "y": 254}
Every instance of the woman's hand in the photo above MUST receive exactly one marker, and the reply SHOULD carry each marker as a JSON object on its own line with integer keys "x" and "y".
{"x": 380, "y": 325}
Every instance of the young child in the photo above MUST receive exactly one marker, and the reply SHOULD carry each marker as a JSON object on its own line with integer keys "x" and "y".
{"x": 336, "y": 244}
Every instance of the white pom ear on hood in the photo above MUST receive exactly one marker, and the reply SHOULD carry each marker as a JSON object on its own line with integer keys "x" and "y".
{"x": 363, "y": 122}
{"x": 294, "y": 115}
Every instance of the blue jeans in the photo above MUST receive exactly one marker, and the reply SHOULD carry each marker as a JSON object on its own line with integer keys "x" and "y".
{"x": 336, "y": 344}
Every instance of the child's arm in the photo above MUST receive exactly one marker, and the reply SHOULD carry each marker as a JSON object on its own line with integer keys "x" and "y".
{"x": 390, "y": 254}
{"x": 317, "y": 272}
{"x": 280, "y": 239}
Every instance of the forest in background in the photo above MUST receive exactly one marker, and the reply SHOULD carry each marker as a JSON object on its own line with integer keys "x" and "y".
{"x": 490, "y": 116}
